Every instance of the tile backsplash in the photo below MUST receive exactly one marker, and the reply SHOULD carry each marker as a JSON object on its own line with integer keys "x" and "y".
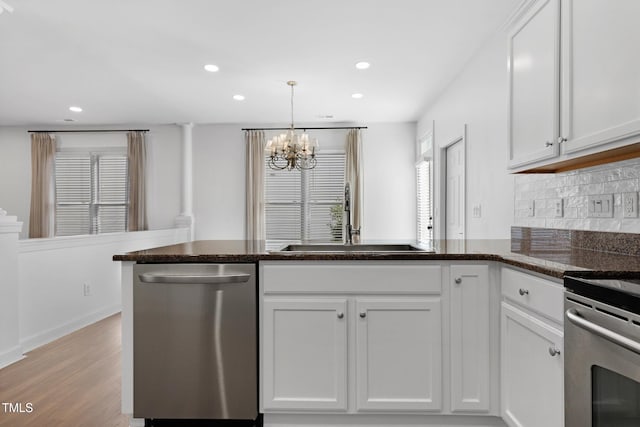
{"x": 574, "y": 188}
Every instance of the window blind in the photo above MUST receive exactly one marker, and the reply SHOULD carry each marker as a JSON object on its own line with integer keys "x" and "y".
{"x": 305, "y": 205}
{"x": 424, "y": 215}
{"x": 91, "y": 193}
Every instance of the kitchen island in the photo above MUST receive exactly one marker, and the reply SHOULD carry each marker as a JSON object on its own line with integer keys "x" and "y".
{"x": 330, "y": 306}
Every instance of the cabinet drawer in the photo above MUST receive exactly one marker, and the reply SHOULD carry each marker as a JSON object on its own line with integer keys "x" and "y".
{"x": 357, "y": 277}
{"x": 542, "y": 296}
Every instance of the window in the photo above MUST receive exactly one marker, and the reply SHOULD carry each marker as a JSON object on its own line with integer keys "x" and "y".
{"x": 305, "y": 205}
{"x": 91, "y": 192}
{"x": 423, "y": 184}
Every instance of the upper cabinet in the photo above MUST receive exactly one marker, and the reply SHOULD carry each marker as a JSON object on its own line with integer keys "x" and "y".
{"x": 574, "y": 84}
{"x": 534, "y": 85}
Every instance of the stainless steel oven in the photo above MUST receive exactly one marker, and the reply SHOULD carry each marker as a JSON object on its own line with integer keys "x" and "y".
{"x": 602, "y": 353}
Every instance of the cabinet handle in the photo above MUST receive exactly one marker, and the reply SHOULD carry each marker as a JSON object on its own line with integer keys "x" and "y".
{"x": 553, "y": 351}
{"x": 363, "y": 314}
{"x": 523, "y": 292}
{"x": 548, "y": 144}
{"x": 561, "y": 139}
{"x": 458, "y": 280}
{"x": 340, "y": 315}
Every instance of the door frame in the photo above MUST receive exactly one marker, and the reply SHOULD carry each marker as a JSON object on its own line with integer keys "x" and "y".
{"x": 440, "y": 165}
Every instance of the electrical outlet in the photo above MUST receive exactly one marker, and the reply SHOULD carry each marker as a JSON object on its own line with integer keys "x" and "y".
{"x": 558, "y": 211}
{"x": 477, "y": 210}
{"x": 630, "y": 205}
{"x": 600, "y": 206}
{"x": 86, "y": 289}
{"x": 531, "y": 209}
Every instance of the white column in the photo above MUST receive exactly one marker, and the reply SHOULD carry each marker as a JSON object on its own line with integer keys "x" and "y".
{"x": 185, "y": 219}
{"x": 10, "y": 350}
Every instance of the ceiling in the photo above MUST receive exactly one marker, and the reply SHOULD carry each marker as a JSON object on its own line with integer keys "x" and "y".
{"x": 141, "y": 61}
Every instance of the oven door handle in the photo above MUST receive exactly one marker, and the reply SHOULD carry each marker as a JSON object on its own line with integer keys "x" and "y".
{"x": 576, "y": 319}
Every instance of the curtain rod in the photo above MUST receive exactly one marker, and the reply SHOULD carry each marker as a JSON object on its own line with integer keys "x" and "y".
{"x": 310, "y": 128}
{"x": 89, "y": 130}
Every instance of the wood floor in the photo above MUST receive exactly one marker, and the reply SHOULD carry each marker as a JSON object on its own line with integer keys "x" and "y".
{"x": 71, "y": 382}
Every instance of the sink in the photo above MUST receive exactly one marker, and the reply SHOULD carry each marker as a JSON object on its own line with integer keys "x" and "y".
{"x": 365, "y": 247}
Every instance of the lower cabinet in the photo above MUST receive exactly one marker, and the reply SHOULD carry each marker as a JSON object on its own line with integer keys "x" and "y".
{"x": 398, "y": 354}
{"x": 305, "y": 353}
{"x": 532, "y": 370}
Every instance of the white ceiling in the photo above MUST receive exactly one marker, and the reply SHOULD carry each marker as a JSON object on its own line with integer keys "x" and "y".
{"x": 141, "y": 61}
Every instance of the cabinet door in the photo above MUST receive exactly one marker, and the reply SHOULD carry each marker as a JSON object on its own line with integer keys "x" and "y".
{"x": 532, "y": 373}
{"x": 470, "y": 338}
{"x": 534, "y": 91}
{"x": 304, "y": 354}
{"x": 601, "y": 72}
{"x": 398, "y": 354}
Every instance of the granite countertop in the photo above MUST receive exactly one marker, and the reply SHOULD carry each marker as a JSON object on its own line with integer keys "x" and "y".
{"x": 552, "y": 260}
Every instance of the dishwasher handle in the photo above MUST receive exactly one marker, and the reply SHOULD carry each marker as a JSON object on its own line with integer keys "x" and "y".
{"x": 209, "y": 279}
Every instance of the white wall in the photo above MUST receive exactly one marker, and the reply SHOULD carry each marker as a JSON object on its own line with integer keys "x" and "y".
{"x": 52, "y": 274}
{"x": 15, "y": 174}
{"x": 389, "y": 179}
{"x": 478, "y": 97}
{"x": 163, "y": 175}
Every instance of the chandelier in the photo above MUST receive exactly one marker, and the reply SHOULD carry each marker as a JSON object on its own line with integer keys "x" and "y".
{"x": 291, "y": 150}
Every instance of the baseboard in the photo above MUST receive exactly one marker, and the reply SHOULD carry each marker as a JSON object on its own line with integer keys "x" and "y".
{"x": 10, "y": 356}
{"x": 136, "y": 422}
{"x": 329, "y": 420}
{"x": 45, "y": 337}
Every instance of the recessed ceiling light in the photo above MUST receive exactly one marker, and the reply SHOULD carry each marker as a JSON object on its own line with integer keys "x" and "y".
{"x": 238, "y": 97}
{"x": 362, "y": 65}
{"x": 75, "y": 109}
{"x": 212, "y": 68}
{"x": 357, "y": 96}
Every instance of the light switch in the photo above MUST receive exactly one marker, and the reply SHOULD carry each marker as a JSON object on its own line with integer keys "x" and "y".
{"x": 531, "y": 209}
{"x": 477, "y": 210}
{"x": 600, "y": 206}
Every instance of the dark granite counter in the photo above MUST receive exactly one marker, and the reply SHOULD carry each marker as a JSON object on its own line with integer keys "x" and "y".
{"x": 550, "y": 259}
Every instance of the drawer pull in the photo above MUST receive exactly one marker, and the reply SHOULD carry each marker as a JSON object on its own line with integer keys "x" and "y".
{"x": 458, "y": 280}
{"x": 523, "y": 292}
{"x": 553, "y": 351}
{"x": 340, "y": 315}
{"x": 363, "y": 314}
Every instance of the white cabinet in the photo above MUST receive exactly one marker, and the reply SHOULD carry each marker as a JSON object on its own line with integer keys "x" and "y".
{"x": 470, "y": 338}
{"x": 573, "y": 83}
{"x": 532, "y": 371}
{"x": 532, "y": 352}
{"x": 601, "y": 72}
{"x": 398, "y": 354}
{"x": 304, "y": 353}
{"x": 351, "y": 337}
{"x": 534, "y": 84}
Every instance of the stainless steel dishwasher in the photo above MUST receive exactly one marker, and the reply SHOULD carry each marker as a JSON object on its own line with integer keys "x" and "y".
{"x": 195, "y": 341}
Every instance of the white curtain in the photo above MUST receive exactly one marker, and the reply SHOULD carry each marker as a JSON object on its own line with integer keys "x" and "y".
{"x": 42, "y": 210}
{"x": 353, "y": 174}
{"x": 137, "y": 158}
{"x": 255, "y": 141}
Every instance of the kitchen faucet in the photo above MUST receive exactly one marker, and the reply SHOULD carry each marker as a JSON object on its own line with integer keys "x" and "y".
{"x": 349, "y": 230}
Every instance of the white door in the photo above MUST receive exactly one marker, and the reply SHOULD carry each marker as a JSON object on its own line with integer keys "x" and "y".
{"x": 455, "y": 191}
{"x": 532, "y": 371}
{"x": 534, "y": 84}
{"x": 470, "y": 337}
{"x": 601, "y": 72}
{"x": 398, "y": 354}
{"x": 304, "y": 355}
